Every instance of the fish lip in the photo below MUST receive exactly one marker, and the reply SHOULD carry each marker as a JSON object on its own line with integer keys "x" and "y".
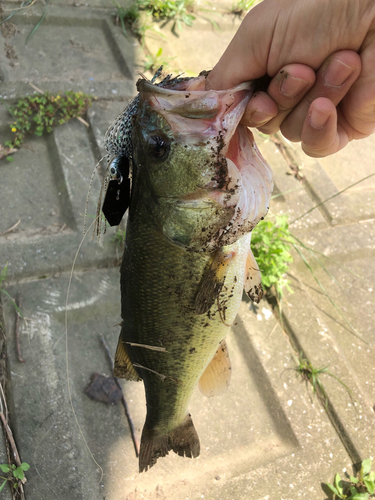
{"x": 146, "y": 86}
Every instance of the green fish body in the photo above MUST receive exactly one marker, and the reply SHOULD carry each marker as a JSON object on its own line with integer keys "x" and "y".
{"x": 199, "y": 186}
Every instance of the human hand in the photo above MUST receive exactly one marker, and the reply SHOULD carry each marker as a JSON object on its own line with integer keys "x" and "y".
{"x": 290, "y": 40}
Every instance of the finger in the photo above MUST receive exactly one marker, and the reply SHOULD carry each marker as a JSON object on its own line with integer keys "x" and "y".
{"x": 358, "y": 106}
{"x": 321, "y": 134}
{"x": 333, "y": 81}
{"x": 287, "y": 89}
{"x": 260, "y": 110}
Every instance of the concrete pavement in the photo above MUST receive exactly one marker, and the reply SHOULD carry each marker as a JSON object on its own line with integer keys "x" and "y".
{"x": 267, "y": 438}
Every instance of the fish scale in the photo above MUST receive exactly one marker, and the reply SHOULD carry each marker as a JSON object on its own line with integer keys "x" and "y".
{"x": 155, "y": 318}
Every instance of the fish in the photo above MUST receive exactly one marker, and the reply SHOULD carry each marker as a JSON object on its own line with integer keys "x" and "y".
{"x": 199, "y": 185}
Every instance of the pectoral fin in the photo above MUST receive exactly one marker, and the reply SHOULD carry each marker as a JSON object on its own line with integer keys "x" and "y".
{"x": 213, "y": 281}
{"x": 123, "y": 366}
{"x": 216, "y": 378}
{"x": 253, "y": 281}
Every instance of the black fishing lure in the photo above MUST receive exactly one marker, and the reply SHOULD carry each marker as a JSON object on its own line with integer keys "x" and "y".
{"x": 117, "y": 197}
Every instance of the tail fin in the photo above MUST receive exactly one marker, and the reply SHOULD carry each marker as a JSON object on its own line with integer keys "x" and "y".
{"x": 183, "y": 440}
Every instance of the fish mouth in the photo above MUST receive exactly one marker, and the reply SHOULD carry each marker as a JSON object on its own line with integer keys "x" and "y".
{"x": 191, "y": 86}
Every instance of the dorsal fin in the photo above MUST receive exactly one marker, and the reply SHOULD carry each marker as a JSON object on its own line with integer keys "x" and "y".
{"x": 216, "y": 377}
{"x": 123, "y": 366}
{"x": 253, "y": 281}
{"x": 213, "y": 281}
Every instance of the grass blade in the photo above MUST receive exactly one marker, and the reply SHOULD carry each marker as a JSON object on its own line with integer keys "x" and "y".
{"x": 38, "y": 23}
{"x": 354, "y": 331}
{"x": 13, "y": 301}
{"x": 330, "y": 198}
{"x": 322, "y": 255}
{"x": 22, "y": 6}
{"x": 311, "y": 252}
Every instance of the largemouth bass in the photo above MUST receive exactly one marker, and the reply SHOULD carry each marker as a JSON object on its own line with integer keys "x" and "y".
{"x": 199, "y": 186}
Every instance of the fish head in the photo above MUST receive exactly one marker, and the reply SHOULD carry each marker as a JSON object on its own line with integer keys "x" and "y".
{"x": 181, "y": 137}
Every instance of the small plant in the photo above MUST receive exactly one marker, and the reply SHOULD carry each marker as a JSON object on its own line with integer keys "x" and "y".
{"x": 311, "y": 375}
{"x": 242, "y": 6}
{"x": 15, "y": 474}
{"x": 3, "y": 276}
{"x": 129, "y": 18}
{"x": 358, "y": 488}
{"x": 40, "y": 113}
{"x": 180, "y": 11}
{"x": 154, "y": 61}
{"x": 270, "y": 243}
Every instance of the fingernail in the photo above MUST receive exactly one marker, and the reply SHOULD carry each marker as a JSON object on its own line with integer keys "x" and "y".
{"x": 318, "y": 118}
{"x": 337, "y": 73}
{"x": 292, "y": 87}
{"x": 258, "y": 119}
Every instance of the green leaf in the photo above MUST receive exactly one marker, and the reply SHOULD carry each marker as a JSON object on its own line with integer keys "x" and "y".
{"x": 5, "y": 467}
{"x": 354, "y": 479}
{"x": 14, "y": 304}
{"x": 2, "y": 486}
{"x": 18, "y": 473}
{"x": 360, "y": 496}
{"x": 353, "y": 490}
{"x": 369, "y": 485}
{"x": 4, "y": 273}
{"x": 366, "y": 466}
{"x": 25, "y": 466}
{"x": 339, "y": 484}
{"x": 333, "y": 489}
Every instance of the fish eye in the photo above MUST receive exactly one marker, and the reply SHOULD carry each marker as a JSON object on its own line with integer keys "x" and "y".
{"x": 158, "y": 146}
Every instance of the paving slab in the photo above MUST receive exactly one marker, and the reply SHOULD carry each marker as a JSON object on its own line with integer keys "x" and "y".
{"x": 83, "y": 51}
{"x": 268, "y": 437}
{"x": 252, "y": 426}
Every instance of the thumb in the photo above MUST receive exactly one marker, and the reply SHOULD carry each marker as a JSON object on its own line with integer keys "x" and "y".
{"x": 247, "y": 54}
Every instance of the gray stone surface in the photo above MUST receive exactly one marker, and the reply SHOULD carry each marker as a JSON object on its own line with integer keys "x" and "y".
{"x": 268, "y": 437}
{"x": 264, "y": 419}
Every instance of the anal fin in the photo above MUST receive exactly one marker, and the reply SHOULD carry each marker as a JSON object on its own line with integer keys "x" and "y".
{"x": 213, "y": 281}
{"x": 253, "y": 281}
{"x": 123, "y": 366}
{"x": 216, "y": 378}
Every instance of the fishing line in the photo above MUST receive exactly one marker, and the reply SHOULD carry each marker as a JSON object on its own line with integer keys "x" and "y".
{"x": 88, "y": 193}
{"x": 67, "y": 352}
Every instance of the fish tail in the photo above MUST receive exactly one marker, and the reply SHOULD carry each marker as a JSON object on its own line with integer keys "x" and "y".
{"x": 183, "y": 440}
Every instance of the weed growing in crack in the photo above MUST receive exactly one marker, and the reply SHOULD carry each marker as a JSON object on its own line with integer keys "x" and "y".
{"x": 154, "y": 61}
{"x": 361, "y": 487}
{"x": 270, "y": 244}
{"x": 16, "y": 475}
{"x": 40, "y": 113}
{"x": 178, "y": 11}
{"x": 311, "y": 375}
{"x": 242, "y": 6}
{"x": 3, "y": 276}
